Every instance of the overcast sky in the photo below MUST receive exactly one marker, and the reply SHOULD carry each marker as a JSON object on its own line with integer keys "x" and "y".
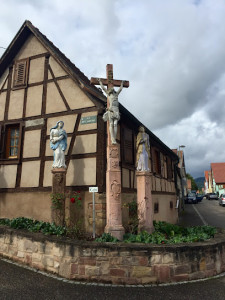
{"x": 171, "y": 51}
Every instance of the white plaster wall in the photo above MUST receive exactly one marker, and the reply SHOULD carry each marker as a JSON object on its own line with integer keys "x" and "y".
{"x": 16, "y": 104}
{"x": 36, "y": 73}
{"x": 56, "y": 68}
{"x": 54, "y": 102}
{"x": 32, "y": 143}
{"x": 34, "y": 101}
{"x": 75, "y": 97}
{"x": 81, "y": 172}
{"x": 8, "y": 176}
{"x": 31, "y": 47}
{"x": 69, "y": 122}
{"x": 30, "y": 174}
{"x": 2, "y": 105}
{"x": 85, "y": 144}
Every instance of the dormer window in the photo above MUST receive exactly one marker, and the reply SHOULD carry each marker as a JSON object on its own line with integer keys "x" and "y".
{"x": 20, "y": 73}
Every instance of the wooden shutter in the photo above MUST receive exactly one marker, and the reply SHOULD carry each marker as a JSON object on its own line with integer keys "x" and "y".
{"x": 20, "y": 73}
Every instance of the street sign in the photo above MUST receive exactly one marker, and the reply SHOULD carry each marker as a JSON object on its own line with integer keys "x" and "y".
{"x": 93, "y": 189}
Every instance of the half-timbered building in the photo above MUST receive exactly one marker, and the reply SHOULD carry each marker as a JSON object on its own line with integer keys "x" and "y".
{"x": 39, "y": 85}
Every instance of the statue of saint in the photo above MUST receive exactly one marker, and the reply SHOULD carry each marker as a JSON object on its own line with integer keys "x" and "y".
{"x": 112, "y": 114}
{"x": 143, "y": 150}
{"x": 58, "y": 143}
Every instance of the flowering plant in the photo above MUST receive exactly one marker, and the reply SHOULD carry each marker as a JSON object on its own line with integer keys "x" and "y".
{"x": 76, "y": 198}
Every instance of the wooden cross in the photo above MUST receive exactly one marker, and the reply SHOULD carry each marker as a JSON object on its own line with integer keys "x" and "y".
{"x": 109, "y": 82}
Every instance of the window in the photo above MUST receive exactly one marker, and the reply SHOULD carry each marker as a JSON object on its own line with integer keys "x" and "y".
{"x": 20, "y": 73}
{"x": 10, "y": 135}
{"x": 12, "y": 141}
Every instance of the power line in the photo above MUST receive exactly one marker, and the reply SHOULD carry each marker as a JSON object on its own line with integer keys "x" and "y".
{"x": 2, "y": 47}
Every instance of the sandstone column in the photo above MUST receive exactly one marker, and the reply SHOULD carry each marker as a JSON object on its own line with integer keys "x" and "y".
{"x": 58, "y": 186}
{"x": 144, "y": 201}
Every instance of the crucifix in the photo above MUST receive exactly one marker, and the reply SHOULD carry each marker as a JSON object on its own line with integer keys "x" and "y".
{"x": 113, "y": 174}
{"x": 112, "y": 113}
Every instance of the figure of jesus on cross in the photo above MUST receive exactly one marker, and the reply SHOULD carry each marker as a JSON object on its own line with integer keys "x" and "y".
{"x": 113, "y": 174}
{"x": 112, "y": 113}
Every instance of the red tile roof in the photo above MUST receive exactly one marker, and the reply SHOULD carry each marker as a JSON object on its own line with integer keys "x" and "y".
{"x": 218, "y": 170}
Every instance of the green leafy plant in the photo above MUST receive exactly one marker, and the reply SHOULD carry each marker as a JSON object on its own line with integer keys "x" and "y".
{"x": 166, "y": 233}
{"x": 132, "y": 226}
{"x": 57, "y": 200}
{"x": 106, "y": 237}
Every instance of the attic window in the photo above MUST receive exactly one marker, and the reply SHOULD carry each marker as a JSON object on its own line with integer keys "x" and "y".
{"x": 20, "y": 73}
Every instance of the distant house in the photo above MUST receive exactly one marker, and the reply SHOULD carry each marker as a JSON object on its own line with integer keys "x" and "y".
{"x": 206, "y": 182}
{"x": 189, "y": 185}
{"x": 218, "y": 177}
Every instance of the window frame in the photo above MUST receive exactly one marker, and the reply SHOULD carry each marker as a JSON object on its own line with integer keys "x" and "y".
{"x": 4, "y": 154}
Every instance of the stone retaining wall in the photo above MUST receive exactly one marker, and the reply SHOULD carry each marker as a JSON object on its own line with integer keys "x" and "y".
{"x": 115, "y": 263}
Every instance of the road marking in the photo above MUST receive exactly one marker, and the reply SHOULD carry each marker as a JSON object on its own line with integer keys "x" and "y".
{"x": 200, "y": 216}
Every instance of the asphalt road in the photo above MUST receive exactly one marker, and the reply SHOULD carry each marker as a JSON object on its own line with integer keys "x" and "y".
{"x": 206, "y": 212}
{"x": 17, "y": 282}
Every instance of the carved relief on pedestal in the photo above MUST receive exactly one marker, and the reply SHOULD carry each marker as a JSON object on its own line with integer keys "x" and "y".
{"x": 115, "y": 189}
{"x": 114, "y": 152}
{"x": 114, "y": 164}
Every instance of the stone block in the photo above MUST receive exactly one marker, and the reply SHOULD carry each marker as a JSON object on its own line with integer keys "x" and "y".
{"x": 181, "y": 277}
{"x": 156, "y": 259}
{"x": 56, "y": 251}
{"x": 64, "y": 269}
{"x": 167, "y": 258}
{"x": 81, "y": 269}
{"x": 36, "y": 257}
{"x": 91, "y": 261}
{"x": 20, "y": 254}
{"x": 202, "y": 264}
{"x": 92, "y": 271}
{"x": 140, "y": 271}
{"x": 104, "y": 267}
{"x": 48, "y": 248}
{"x": 56, "y": 265}
{"x": 148, "y": 280}
{"x": 115, "y": 261}
{"x": 197, "y": 275}
{"x": 182, "y": 269}
{"x": 86, "y": 252}
{"x": 48, "y": 261}
{"x": 74, "y": 269}
{"x": 118, "y": 272}
{"x": 28, "y": 259}
{"x": 101, "y": 252}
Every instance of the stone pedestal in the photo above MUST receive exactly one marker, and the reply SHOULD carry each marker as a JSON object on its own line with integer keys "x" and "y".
{"x": 144, "y": 201}
{"x": 113, "y": 193}
{"x": 58, "y": 186}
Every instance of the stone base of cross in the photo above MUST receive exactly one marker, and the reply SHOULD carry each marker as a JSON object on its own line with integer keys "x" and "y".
{"x": 113, "y": 175}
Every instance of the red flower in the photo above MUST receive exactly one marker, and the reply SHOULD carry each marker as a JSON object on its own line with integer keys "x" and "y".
{"x": 163, "y": 242}
{"x": 78, "y": 192}
{"x": 79, "y": 198}
{"x": 72, "y": 200}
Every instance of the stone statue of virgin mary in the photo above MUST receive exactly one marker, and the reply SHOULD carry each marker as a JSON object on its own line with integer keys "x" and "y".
{"x": 58, "y": 143}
